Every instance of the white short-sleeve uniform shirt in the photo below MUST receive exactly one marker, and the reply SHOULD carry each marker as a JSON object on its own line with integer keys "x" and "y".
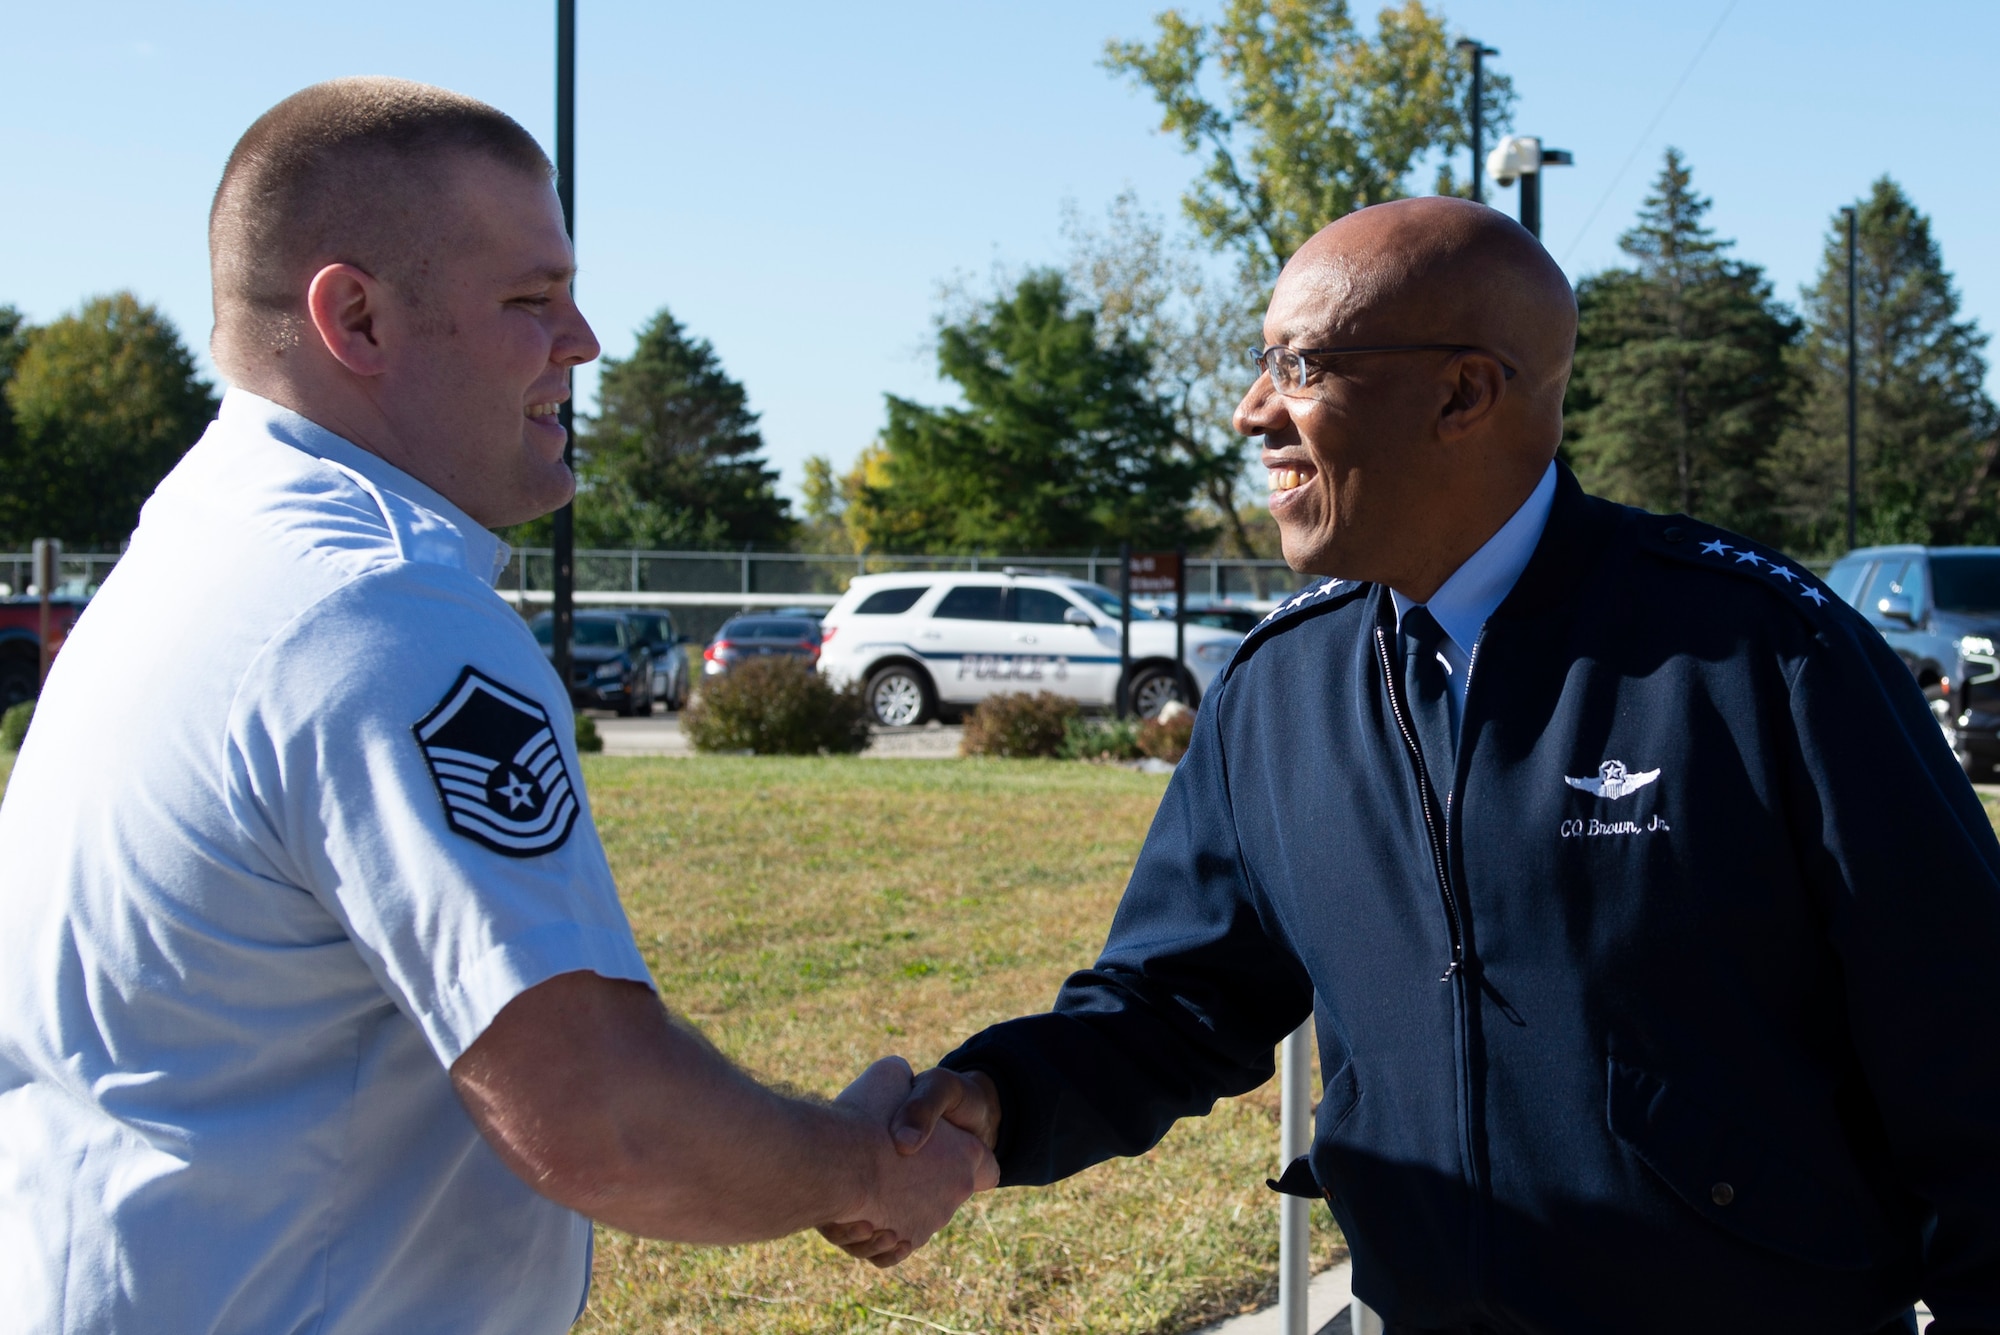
{"x": 299, "y": 813}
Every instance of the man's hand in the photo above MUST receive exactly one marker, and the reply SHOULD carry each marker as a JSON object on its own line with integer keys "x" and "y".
{"x": 926, "y": 1179}
{"x": 970, "y": 1102}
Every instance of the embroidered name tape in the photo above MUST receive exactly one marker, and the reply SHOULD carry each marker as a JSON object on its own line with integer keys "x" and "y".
{"x": 492, "y": 753}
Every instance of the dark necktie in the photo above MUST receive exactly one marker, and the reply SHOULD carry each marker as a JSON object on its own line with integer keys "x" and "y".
{"x": 1427, "y": 691}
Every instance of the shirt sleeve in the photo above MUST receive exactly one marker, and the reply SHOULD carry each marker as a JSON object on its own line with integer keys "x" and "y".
{"x": 404, "y": 752}
{"x": 1905, "y": 861}
{"x": 1191, "y": 994}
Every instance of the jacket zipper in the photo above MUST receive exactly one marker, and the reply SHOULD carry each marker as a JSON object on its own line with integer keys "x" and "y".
{"x": 1428, "y": 797}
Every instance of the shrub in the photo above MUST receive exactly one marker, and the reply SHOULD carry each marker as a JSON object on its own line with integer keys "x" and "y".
{"x": 1018, "y": 725}
{"x": 1100, "y": 739}
{"x": 1166, "y": 736}
{"x": 14, "y": 725}
{"x": 776, "y": 707}
{"x": 587, "y": 738}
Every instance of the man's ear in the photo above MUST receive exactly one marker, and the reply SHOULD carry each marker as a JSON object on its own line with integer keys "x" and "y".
{"x": 1477, "y": 382}
{"x": 344, "y": 304}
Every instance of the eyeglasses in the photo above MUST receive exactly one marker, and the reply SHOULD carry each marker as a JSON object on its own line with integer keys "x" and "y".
{"x": 1287, "y": 366}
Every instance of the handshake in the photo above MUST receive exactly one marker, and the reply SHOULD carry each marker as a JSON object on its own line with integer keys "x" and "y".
{"x": 933, "y": 1138}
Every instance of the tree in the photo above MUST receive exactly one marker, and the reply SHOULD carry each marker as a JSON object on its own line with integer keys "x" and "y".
{"x": 104, "y": 403}
{"x": 671, "y": 459}
{"x": 1681, "y": 386}
{"x": 1320, "y": 119}
{"x": 14, "y": 329}
{"x": 1061, "y": 446}
{"x": 1150, "y": 293}
{"x": 1927, "y": 431}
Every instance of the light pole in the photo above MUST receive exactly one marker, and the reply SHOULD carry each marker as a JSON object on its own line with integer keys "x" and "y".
{"x": 1522, "y": 157}
{"x": 563, "y": 612}
{"x": 1479, "y": 52}
{"x": 1853, "y": 461}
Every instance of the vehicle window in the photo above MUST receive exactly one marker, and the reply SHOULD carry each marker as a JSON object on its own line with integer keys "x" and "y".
{"x": 889, "y": 602}
{"x": 1845, "y": 580}
{"x": 972, "y": 602}
{"x": 1107, "y": 602}
{"x": 1225, "y": 620}
{"x": 1912, "y": 585}
{"x": 1040, "y": 606}
{"x": 599, "y": 634}
{"x": 545, "y": 630}
{"x": 1888, "y": 579}
{"x": 770, "y": 628}
{"x": 1968, "y": 582}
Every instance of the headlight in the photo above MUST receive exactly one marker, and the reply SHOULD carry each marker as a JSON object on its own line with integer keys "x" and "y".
{"x": 1216, "y": 651}
{"x": 610, "y": 671}
{"x": 1982, "y": 664}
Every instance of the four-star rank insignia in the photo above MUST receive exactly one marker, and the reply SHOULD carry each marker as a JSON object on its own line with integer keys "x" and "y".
{"x": 494, "y": 757}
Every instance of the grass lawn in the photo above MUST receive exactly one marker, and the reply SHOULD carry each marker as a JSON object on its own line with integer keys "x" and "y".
{"x": 812, "y": 915}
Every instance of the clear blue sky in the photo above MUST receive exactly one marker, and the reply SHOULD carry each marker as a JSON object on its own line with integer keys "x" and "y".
{"x": 797, "y": 179}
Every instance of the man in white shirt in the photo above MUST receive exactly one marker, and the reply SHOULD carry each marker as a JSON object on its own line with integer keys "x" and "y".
{"x": 318, "y": 1009}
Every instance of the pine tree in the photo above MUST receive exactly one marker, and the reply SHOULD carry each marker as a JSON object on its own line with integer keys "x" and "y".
{"x": 1926, "y": 432}
{"x": 1062, "y": 445}
{"x": 1681, "y": 385}
{"x": 671, "y": 459}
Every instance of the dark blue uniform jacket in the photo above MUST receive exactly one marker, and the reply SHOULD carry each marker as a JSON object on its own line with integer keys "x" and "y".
{"x": 1678, "y": 1011}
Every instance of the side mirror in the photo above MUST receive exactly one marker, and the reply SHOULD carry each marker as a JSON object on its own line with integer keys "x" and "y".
{"x": 1076, "y": 616}
{"x": 1897, "y": 607}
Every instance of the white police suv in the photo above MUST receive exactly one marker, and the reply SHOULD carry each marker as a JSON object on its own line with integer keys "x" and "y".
{"x": 934, "y": 642}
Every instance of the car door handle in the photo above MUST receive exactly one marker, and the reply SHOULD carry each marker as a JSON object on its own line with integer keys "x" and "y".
{"x": 932, "y": 635}
{"x": 1025, "y": 638}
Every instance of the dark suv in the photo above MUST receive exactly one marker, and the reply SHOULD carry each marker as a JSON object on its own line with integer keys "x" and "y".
{"x": 609, "y": 667}
{"x": 1939, "y": 609}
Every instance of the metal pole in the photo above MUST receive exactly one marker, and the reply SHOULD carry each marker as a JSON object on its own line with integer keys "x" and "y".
{"x": 1477, "y": 111}
{"x": 1531, "y": 203}
{"x": 1186, "y": 682}
{"x": 1853, "y": 453}
{"x": 1294, "y": 1212}
{"x": 564, "y": 608}
{"x": 48, "y": 561}
{"x": 1124, "y": 624}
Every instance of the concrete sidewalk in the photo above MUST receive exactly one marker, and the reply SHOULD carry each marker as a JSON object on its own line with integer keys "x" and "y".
{"x": 1328, "y": 1303}
{"x": 660, "y": 735}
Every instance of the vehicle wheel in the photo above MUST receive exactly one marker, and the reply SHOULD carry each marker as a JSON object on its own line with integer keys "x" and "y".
{"x": 1152, "y": 687}
{"x": 644, "y": 709}
{"x": 17, "y": 682}
{"x": 900, "y": 696}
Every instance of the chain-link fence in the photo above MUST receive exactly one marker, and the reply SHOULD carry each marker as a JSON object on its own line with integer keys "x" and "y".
{"x": 79, "y": 573}
{"x": 705, "y": 588}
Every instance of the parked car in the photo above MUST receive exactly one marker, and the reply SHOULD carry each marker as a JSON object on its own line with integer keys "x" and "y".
{"x": 667, "y": 648}
{"x": 608, "y": 664}
{"x": 1222, "y": 615}
{"x": 21, "y": 643}
{"x": 1939, "y": 609}
{"x": 760, "y": 635}
{"x": 937, "y": 643}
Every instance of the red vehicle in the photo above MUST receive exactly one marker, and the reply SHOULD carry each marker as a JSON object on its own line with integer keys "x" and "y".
{"x": 21, "y": 643}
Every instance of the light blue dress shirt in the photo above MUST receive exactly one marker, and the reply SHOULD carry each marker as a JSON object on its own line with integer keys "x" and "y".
{"x": 1476, "y": 589}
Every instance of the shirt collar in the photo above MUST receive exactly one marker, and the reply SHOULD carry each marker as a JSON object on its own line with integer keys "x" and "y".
{"x": 1476, "y": 589}
{"x": 485, "y": 555}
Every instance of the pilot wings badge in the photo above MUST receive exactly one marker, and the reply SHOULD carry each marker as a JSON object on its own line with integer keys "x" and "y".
{"x": 1613, "y": 781}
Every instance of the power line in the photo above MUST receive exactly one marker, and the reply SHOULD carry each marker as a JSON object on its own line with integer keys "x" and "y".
{"x": 1658, "y": 116}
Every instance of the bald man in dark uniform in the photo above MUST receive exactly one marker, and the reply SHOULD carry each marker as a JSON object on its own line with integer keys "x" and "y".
{"x": 1645, "y": 919}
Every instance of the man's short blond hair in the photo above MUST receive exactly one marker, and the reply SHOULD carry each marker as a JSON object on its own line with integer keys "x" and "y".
{"x": 352, "y": 171}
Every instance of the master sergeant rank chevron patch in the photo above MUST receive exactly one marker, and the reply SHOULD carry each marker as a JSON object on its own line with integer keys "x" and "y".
{"x": 493, "y": 755}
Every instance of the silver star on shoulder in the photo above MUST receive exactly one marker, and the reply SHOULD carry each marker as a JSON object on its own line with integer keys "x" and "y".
{"x": 519, "y": 792}
{"x": 1752, "y": 557}
{"x": 1715, "y": 548}
{"x": 1814, "y": 594}
{"x": 1782, "y": 573}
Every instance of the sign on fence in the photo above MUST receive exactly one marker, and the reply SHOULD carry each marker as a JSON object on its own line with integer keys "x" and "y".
{"x": 1156, "y": 572}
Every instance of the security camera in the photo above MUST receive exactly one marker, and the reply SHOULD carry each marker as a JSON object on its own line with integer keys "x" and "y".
{"x": 1514, "y": 157}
